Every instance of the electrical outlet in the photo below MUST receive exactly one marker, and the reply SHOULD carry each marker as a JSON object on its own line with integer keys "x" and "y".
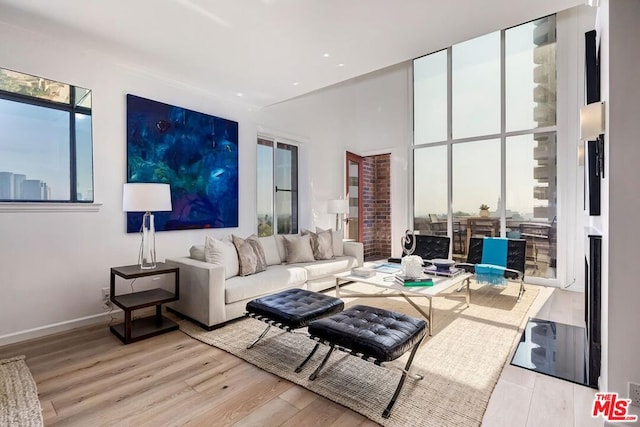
{"x": 105, "y": 294}
{"x": 634, "y": 394}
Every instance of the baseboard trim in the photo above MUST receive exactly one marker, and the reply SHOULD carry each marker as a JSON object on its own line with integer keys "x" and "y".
{"x": 55, "y": 328}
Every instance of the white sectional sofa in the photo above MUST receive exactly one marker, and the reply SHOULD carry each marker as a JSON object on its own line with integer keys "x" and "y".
{"x": 210, "y": 298}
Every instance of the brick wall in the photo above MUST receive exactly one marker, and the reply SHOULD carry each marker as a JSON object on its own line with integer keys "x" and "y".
{"x": 376, "y": 215}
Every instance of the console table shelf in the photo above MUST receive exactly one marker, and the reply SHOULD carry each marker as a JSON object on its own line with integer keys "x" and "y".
{"x": 138, "y": 329}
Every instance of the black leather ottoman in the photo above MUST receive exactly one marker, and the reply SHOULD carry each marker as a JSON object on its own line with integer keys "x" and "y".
{"x": 373, "y": 334}
{"x": 292, "y": 309}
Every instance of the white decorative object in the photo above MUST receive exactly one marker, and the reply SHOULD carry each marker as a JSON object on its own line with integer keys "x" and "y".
{"x": 412, "y": 266}
{"x": 146, "y": 197}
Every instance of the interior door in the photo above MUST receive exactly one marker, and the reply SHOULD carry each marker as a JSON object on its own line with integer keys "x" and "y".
{"x": 354, "y": 195}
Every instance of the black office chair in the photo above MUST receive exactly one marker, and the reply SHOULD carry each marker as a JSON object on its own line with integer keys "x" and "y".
{"x": 426, "y": 246}
{"x": 516, "y": 258}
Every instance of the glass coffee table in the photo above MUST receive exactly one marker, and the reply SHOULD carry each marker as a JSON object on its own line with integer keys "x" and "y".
{"x": 387, "y": 281}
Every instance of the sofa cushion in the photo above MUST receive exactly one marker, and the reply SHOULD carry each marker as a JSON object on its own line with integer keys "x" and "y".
{"x": 270, "y": 247}
{"x": 321, "y": 243}
{"x": 222, "y": 252}
{"x": 318, "y": 269}
{"x": 298, "y": 249}
{"x": 250, "y": 255}
{"x": 273, "y": 279}
{"x": 336, "y": 237}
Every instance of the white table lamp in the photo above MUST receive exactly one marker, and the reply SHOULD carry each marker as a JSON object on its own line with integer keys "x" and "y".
{"x": 338, "y": 207}
{"x": 147, "y": 198}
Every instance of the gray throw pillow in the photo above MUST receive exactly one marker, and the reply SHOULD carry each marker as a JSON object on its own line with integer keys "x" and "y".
{"x": 338, "y": 250}
{"x": 298, "y": 249}
{"x": 321, "y": 243}
{"x": 250, "y": 255}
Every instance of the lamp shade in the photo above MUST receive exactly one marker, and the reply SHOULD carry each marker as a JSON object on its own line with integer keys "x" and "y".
{"x": 338, "y": 206}
{"x": 591, "y": 121}
{"x": 146, "y": 197}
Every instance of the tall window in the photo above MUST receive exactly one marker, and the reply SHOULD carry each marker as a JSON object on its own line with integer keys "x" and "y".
{"x": 45, "y": 144}
{"x": 277, "y": 187}
{"x": 485, "y": 134}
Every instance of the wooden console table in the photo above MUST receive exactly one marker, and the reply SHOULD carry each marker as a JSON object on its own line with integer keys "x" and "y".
{"x": 136, "y": 330}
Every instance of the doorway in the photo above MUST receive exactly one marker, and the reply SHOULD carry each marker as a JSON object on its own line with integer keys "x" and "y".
{"x": 369, "y": 194}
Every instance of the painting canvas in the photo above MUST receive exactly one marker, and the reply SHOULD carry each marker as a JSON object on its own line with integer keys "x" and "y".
{"x": 196, "y": 153}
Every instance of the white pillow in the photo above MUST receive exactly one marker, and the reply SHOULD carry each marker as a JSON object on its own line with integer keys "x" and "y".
{"x": 270, "y": 248}
{"x": 338, "y": 250}
{"x": 218, "y": 251}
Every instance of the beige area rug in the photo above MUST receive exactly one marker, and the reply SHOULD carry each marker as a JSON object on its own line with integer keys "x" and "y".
{"x": 461, "y": 362}
{"x": 19, "y": 404}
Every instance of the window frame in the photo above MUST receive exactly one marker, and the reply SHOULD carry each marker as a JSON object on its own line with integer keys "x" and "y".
{"x": 502, "y": 136}
{"x": 72, "y": 109}
{"x": 295, "y": 206}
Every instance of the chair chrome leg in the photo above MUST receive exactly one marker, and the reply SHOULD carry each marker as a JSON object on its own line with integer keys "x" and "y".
{"x": 387, "y": 412}
{"x": 260, "y": 337}
{"x": 299, "y": 368}
{"x": 324, "y": 362}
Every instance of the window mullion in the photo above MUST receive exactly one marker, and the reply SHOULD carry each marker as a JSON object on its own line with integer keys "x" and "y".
{"x": 503, "y": 139}
{"x": 449, "y": 139}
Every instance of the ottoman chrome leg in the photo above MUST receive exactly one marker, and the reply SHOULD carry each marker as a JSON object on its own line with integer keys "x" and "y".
{"x": 260, "y": 337}
{"x": 299, "y": 368}
{"x": 324, "y": 362}
{"x": 387, "y": 411}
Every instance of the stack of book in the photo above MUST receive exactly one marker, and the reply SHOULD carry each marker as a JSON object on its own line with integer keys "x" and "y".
{"x": 363, "y": 272}
{"x": 414, "y": 281}
{"x": 451, "y": 272}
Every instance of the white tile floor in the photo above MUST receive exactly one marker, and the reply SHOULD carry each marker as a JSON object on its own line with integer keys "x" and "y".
{"x": 525, "y": 398}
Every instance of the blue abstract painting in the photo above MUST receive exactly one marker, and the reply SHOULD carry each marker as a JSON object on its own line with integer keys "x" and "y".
{"x": 197, "y": 154}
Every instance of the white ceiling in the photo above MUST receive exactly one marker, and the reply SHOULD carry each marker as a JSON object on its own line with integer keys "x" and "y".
{"x": 269, "y": 50}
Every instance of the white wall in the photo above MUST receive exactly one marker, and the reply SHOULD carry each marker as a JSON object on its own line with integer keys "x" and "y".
{"x": 53, "y": 265}
{"x": 620, "y": 58}
{"x": 367, "y": 115}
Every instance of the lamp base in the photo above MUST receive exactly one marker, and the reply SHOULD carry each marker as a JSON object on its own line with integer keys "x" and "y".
{"x": 147, "y": 253}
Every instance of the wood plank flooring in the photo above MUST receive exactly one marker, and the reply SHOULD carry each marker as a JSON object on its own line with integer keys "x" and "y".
{"x": 86, "y": 377}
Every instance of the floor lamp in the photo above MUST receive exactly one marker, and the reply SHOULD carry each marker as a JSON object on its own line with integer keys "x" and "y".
{"x": 338, "y": 207}
{"x": 147, "y": 198}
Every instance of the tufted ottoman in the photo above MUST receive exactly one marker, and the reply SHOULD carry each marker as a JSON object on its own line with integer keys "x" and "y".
{"x": 292, "y": 309}
{"x": 373, "y": 334}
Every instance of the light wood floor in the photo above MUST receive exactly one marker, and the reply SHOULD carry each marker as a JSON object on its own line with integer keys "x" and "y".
{"x": 86, "y": 377}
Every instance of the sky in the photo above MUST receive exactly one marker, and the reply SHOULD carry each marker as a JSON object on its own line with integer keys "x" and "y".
{"x": 35, "y": 142}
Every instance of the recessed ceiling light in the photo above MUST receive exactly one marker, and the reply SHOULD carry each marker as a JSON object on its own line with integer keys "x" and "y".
{"x": 296, "y": 83}
{"x": 326, "y": 55}
{"x": 341, "y": 65}
{"x": 239, "y": 94}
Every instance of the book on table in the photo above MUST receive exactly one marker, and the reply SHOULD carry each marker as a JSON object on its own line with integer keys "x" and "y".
{"x": 363, "y": 272}
{"x": 387, "y": 267}
{"x": 451, "y": 272}
{"x": 414, "y": 281}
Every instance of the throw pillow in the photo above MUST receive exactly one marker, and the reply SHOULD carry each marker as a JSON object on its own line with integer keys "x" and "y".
{"x": 222, "y": 252}
{"x": 337, "y": 241}
{"x": 321, "y": 243}
{"x": 197, "y": 252}
{"x": 259, "y": 250}
{"x": 298, "y": 249}
{"x": 270, "y": 247}
{"x": 250, "y": 255}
